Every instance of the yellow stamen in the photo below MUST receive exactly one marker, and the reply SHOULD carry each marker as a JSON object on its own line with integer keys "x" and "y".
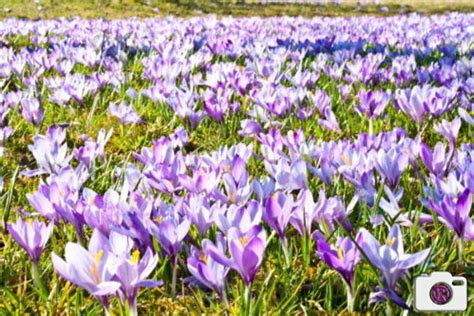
{"x": 95, "y": 265}
{"x": 346, "y": 160}
{"x": 158, "y": 219}
{"x": 275, "y": 196}
{"x": 340, "y": 253}
{"x": 227, "y": 168}
{"x": 203, "y": 257}
{"x": 98, "y": 256}
{"x": 29, "y": 221}
{"x": 244, "y": 240}
{"x": 135, "y": 256}
{"x": 391, "y": 241}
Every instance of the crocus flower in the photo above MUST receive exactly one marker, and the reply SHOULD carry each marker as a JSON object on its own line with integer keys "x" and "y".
{"x": 392, "y": 209}
{"x": 448, "y": 129}
{"x": 170, "y": 232}
{"x": 391, "y": 260}
{"x": 125, "y": 113}
{"x": 32, "y": 110}
{"x": 31, "y": 235}
{"x": 391, "y": 164}
{"x": 411, "y": 101}
{"x": 277, "y": 212}
{"x": 305, "y": 211}
{"x": 455, "y": 215}
{"x": 372, "y": 103}
{"x": 246, "y": 251}
{"x": 329, "y": 122}
{"x": 343, "y": 258}
{"x": 241, "y": 217}
{"x": 199, "y": 212}
{"x": 93, "y": 149}
{"x": 435, "y": 160}
{"x": 250, "y": 128}
{"x": 132, "y": 274}
{"x": 205, "y": 269}
{"x": 50, "y": 152}
{"x": 91, "y": 269}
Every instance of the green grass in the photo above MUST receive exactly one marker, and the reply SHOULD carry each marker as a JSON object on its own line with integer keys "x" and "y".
{"x": 127, "y": 8}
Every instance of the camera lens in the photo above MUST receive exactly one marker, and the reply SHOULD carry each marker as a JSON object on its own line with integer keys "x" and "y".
{"x": 441, "y": 293}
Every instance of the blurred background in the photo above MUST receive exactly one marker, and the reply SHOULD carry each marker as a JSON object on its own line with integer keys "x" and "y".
{"x": 34, "y": 9}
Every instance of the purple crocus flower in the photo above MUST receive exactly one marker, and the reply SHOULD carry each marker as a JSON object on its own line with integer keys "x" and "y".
{"x": 455, "y": 215}
{"x": 132, "y": 273}
{"x": 372, "y": 103}
{"x": 250, "y": 128}
{"x": 31, "y": 235}
{"x": 391, "y": 260}
{"x": 91, "y": 269}
{"x": 411, "y": 102}
{"x": 435, "y": 160}
{"x": 448, "y": 129}
{"x": 170, "y": 232}
{"x": 305, "y": 211}
{"x": 32, "y": 110}
{"x": 246, "y": 251}
{"x": 241, "y": 217}
{"x": 391, "y": 164}
{"x": 199, "y": 212}
{"x": 50, "y": 152}
{"x": 277, "y": 212}
{"x": 125, "y": 113}
{"x": 329, "y": 122}
{"x": 205, "y": 269}
{"x": 343, "y": 258}
{"x": 93, "y": 149}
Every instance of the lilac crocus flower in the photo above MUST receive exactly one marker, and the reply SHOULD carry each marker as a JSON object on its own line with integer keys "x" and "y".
{"x": 250, "y": 128}
{"x": 277, "y": 212}
{"x": 305, "y": 211}
{"x": 343, "y": 258}
{"x": 170, "y": 232}
{"x": 391, "y": 164}
{"x": 435, "y": 160}
{"x": 50, "y": 152}
{"x": 241, "y": 217}
{"x": 372, "y": 103}
{"x": 132, "y": 274}
{"x": 32, "y": 110}
{"x": 125, "y": 113}
{"x": 448, "y": 129}
{"x": 391, "y": 260}
{"x": 205, "y": 269}
{"x": 246, "y": 251}
{"x": 455, "y": 215}
{"x": 199, "y": 212}
{"x": 93, "y": 149}
{"x": 91, "y": 269}
{"x": 411, "y": 102}
{"x": 31, "y": 235}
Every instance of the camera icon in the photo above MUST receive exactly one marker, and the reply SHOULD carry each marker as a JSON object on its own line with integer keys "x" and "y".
{"x": 440, "y": 291}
